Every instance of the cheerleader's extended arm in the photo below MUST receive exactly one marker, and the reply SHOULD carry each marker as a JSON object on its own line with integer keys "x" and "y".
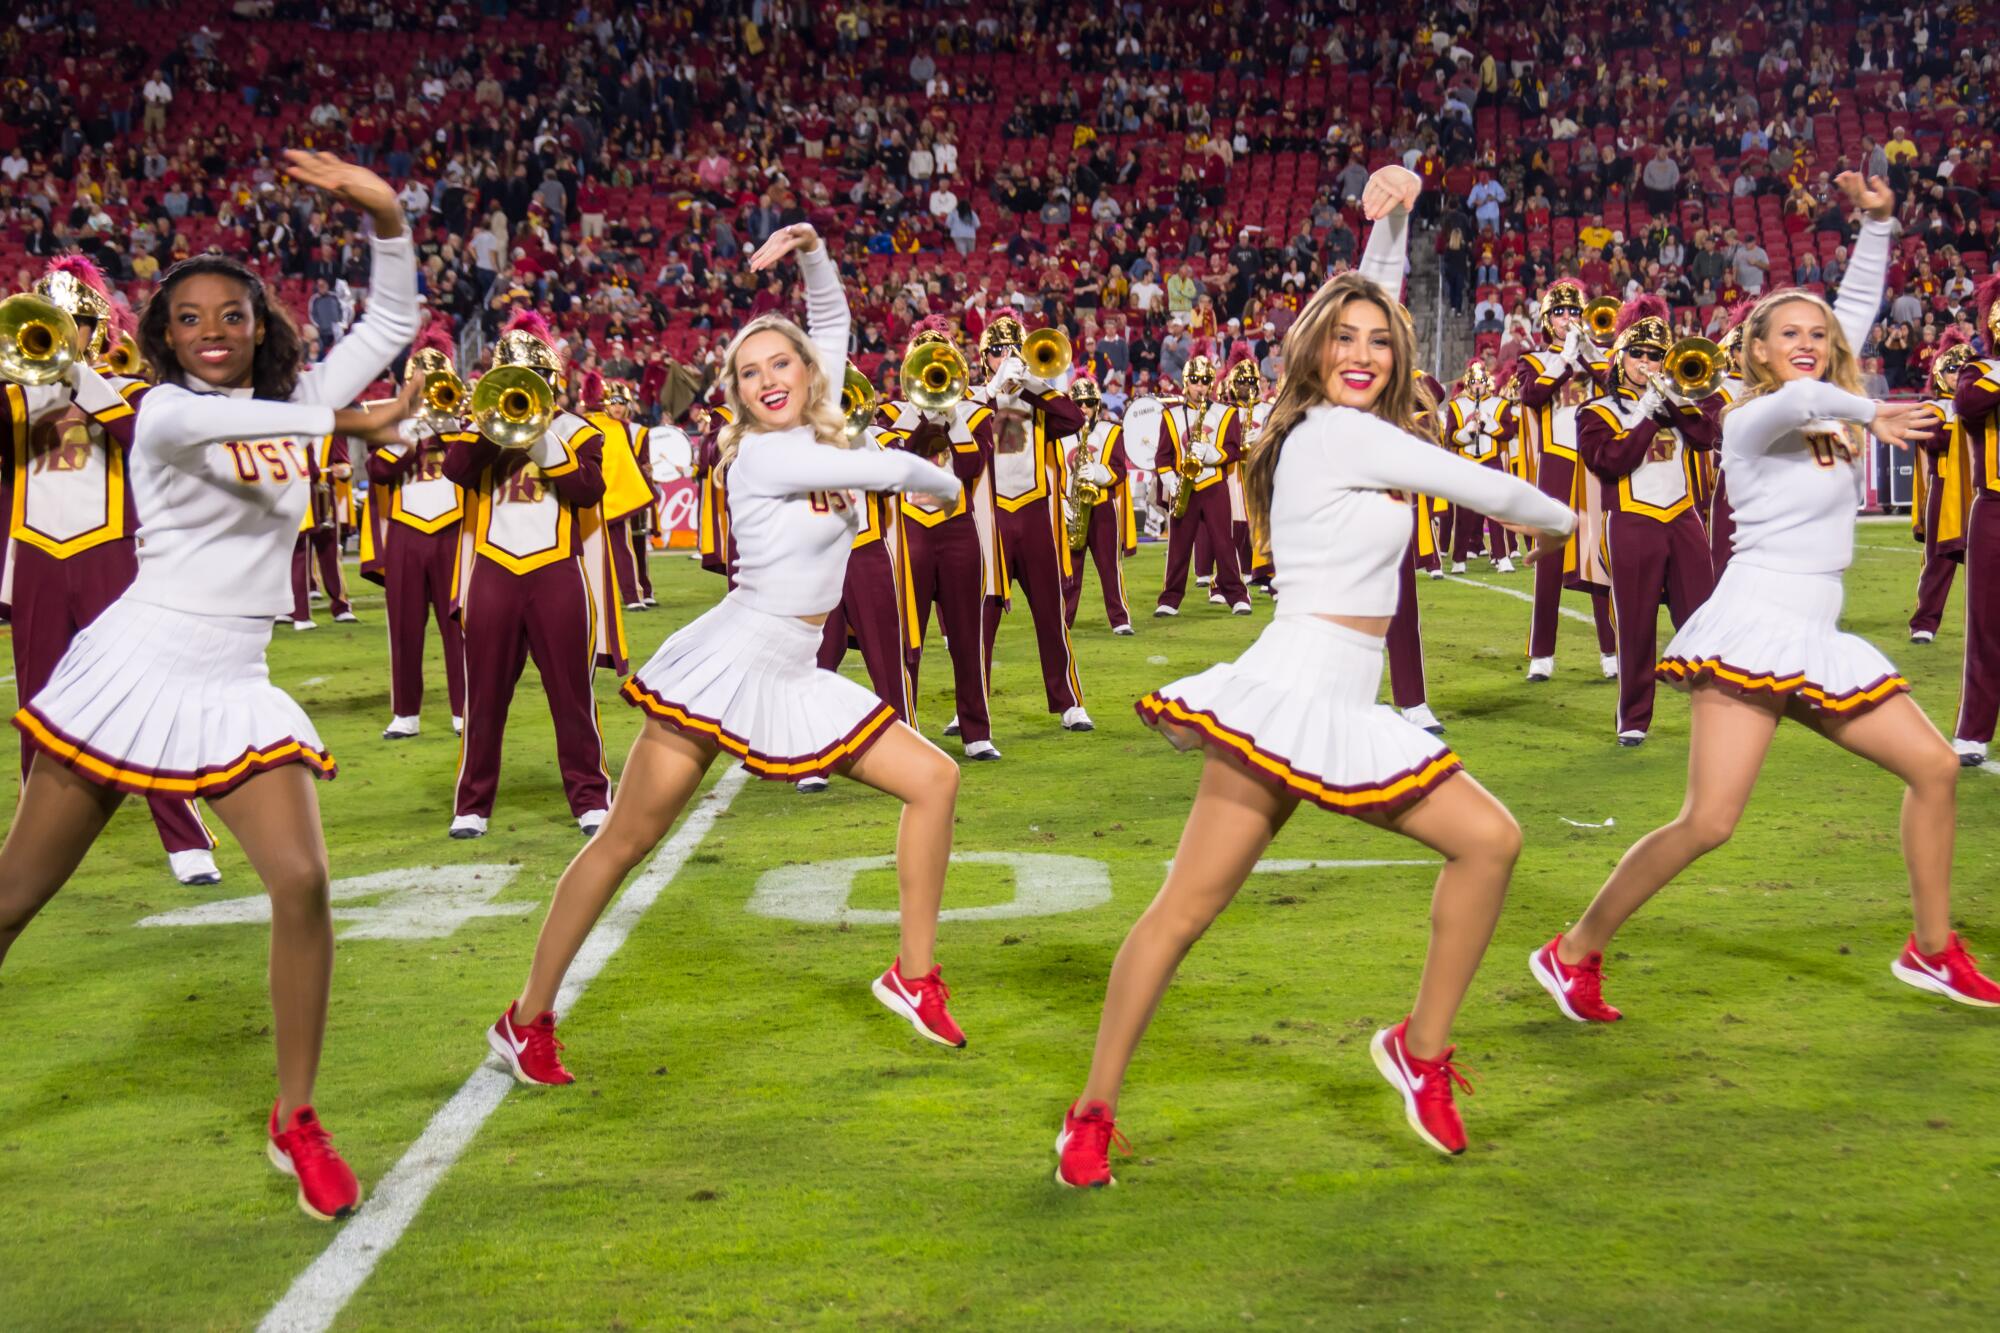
{"x": 1756, "y": 426}
{"x": 768, "y": 465}
{"x": 1364, "y": 452}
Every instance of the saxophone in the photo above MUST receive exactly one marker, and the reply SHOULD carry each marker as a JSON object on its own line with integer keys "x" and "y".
{"x": 1187, "y": 467}
{"x": 1078, "y": 504}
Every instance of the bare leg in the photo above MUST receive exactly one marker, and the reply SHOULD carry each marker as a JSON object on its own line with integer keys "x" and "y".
{"x": 1897, "y": 736}
{"x": 1729, "y": 736}
{"x": 1234, "y": 819}
{"x": 59, "y": 817}
{"x": 925, "y": 780}
{"x": 275, "y": 819}
{"x": 660, "y": 777}
{"x": 1480, "y": 842}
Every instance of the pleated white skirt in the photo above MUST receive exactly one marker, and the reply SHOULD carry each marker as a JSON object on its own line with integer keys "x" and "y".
{"x": 1767, "y": 632}
{"x": 1299, "y": 710}
{"x": 750, "y": 682}
{"x": 155, "y": 701}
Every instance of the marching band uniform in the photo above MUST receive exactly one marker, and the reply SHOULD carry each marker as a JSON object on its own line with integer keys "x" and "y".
{"x": 535, "y": 580}
{"x": 1944, "y": 483}
{"x": 1112, "y": 532}
{"x": 628, "y": 494}
{"x": 1029, "y": 485}
{"x": 70, "y": 544}
{"x": 1553, "y": 384}
{"x": 1639, "y": 445}
{"x": 413, "y": 536}
{"x": 319, "y": 537}
{"x": 743, "y": 676}
{"x": 1210, "y": 439}
{"x": 1977, "y": 402}
{"x": 870, "y": 610}
{"x": 1298, "y": 709}
{"x": 1479, "y": 423}
{"x": 714, "y": 544}
{"x": 1772, "y": 626}
{"x": 952, "y": 559}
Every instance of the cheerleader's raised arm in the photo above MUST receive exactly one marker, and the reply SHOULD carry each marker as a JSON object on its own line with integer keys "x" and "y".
{"x": 1356, "y": 450}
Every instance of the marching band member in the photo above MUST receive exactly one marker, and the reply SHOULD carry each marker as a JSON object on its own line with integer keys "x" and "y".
{"x": 1478, "y": 422}
{"x": 1031, "y": 418}
{"x": 1295, "y": 717}
{"x": 870, "y": 610}
{"x": 1944, "y": 491}
{"x": 413, "y": 537}
{"x": 70, "y": 529}
{"x": 1110, "y": 529}
{"x": 319, "y": 538}
{"x": 628, "y": 492}
{"x": 1716, "y": 515}
{"x": 1768, "y": 645}
{"x": 1554, "y": 383}
{"x": 1977, "y": 404}
{"x": 1243, "y": 386}
{"x": 1199, "y": 441}
{"x": 535, "y": 580}
{"x": 1404, "y": 640}
{"x": 714, "y": 544}
{"x": 167, "y": 691}
{"x": 740, "y": 679}
{"x": 1637, "y": 439}
{"x": 952, "y": 552}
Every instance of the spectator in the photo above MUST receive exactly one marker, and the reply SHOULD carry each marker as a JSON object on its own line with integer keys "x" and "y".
{"x": 158, "y": 94}
{"x": 1750, "y": 265}
{"x": 1487, "y": 315}
{"x": 964, "y": 226}
{"x": 325, "y": 313}
{"x": 1906, "y": 308}
{"x": 1661, "y": 178}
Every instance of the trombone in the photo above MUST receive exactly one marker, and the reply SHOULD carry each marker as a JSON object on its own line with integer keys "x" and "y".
{"x": 1046, "y": 353}
{"x": 1694, "y": 366}
{"x": 1600, "y": 319}
{"x": 512, "y": 406}
{"x": 858, "y": 401}
{"x": 37, "y": 340}
{"x": 936, "y": 376}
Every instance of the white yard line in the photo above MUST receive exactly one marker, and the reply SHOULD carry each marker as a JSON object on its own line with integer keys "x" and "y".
{"x": 1520, "y": 596}
{"x": 320, "y": 1292}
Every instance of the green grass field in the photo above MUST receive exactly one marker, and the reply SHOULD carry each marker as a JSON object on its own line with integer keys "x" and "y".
{"x": 1780, "y": 1135}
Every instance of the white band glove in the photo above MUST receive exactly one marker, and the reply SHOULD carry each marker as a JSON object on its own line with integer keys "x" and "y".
{"x": 1652, "y": 400}
{"x": 1572, "y": 348}
{"x": 1170, "y": 485}
{"x": 1207, "y": 453}
{"x": 1095, "y": 472}
{"x": 548, "y": 451}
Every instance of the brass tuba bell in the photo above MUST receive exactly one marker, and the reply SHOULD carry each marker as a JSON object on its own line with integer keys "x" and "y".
{"x": 1046, "y": 353}
{"x": 512, "y": 406}
{"x": 37, "y": 340}
{"x": 935, "y": 376}
{"x": 1600, "y": 318}
{"x": 124, "y": 357}
{"x": 858, "y": 401}
{"x": 1695, "y": 365}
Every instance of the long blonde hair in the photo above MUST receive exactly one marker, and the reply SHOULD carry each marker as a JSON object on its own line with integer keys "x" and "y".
{"x": 1843, "y": 368}
{"x": 1302, "y": 386}
{"x": 822, "y": 411}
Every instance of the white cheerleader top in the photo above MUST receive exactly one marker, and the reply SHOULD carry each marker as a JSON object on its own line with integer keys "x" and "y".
{"x": 220, "y": 478}
{"x": 1794, "y": 481}
{"x": 1341, "y": 518}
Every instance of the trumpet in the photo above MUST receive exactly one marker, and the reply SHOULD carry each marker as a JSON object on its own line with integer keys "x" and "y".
{"x": 1600, "y": 318}
{"x": 1046, "y": 353}
{"x": 443, "y": 396}
{"x": 512, "y": 406}
{"x": 857, "y": 401}
{"x": 37, "y": 340}
{"x": 1694, "y": 366}
{"x": 124, "y": 358}
{"x": 936, "y": 377}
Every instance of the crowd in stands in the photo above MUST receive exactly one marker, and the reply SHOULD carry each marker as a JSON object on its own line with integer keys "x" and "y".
{"x": 1161, "y": 178}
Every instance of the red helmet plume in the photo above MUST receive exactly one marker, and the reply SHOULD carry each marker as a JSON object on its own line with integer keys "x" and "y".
{"x": 436, "y": 335}
{"x": 1643, "y": 306}
{"x": 84, "y": 271}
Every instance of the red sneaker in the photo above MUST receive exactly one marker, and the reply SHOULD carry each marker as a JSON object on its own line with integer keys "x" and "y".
{"x": 1084, "y": 1147}
{"x": 1426, "y": 1089}
{"x": 921, "y": 1000}
{"x": 1577, "y": 988}
{"x": 327, "y": 1188}
{"x": 1953, "y": 974}
{"x": 530, "y": 1052}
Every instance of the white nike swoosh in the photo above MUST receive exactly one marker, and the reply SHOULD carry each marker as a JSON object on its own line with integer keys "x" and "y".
{"x": 519, "y": 1046}
{"x": 896, "y": 983}
{"x": 1941, "y": 973}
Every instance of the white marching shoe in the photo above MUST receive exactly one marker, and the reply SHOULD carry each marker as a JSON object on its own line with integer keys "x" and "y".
{"x": 1458, "y": 566}
{"x": 1123, "y": 629}
{"x": 811, "y": 786}
{"x": 1922, "y": 636}
{"x": 590, "y": 821}
{"x": 195, "y": 867}
{"x": 469, "y": 826}
{"x": 1971, "y": 754}
{"x": 303, "y": 625}
{"x": 1422, "y": 716}
{"x": 1203, "y": 580}
{"x": 402, "y": 728}
{"x": 457, "y": 725}
{"x": 1541, "y": 668}
{"x": 1609, "y": 663}
{"x": 1631, "y": 738}
{"x": 951, "y": 727}
{"x": 1075, "y": 719}
{"x": 1438, "y": 572}
{"x": 1217, "y": 598}
{"x": 1164, "y": 610}
{"x": 1240, "y": 609}
{"x": 347, "y": 618}
{"x": 982, "y": 750}
{"x": 1504, "y": 565}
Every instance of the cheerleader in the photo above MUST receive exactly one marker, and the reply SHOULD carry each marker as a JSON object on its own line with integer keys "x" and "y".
{"x": 167, "y": 691}
{"x": 1767, "y": 645}
{"x": 1295, "y": 717}
{"x": 742, "y": 678}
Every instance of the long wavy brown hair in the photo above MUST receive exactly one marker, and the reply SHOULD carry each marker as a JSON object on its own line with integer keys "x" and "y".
{"x": 1302, "y": 385}
{"x": 280, "y": 354}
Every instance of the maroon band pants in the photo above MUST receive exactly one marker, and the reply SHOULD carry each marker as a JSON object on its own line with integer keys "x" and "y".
{"x": 1554, "y": 477}
{"x": 1934, "y": 584}
{"x": 1035, "y": 562}
{"x": 1208, "y": 511}
{"x": 871, "y": 608}
{"x": 945, "y": 570}
{"x": 417, "y": 573}
{"x": 1979, "y": 695}
{"x": 1651, "y": 562}
{"x": 325, "y": 544}
{"x": 1104, "y": 544}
